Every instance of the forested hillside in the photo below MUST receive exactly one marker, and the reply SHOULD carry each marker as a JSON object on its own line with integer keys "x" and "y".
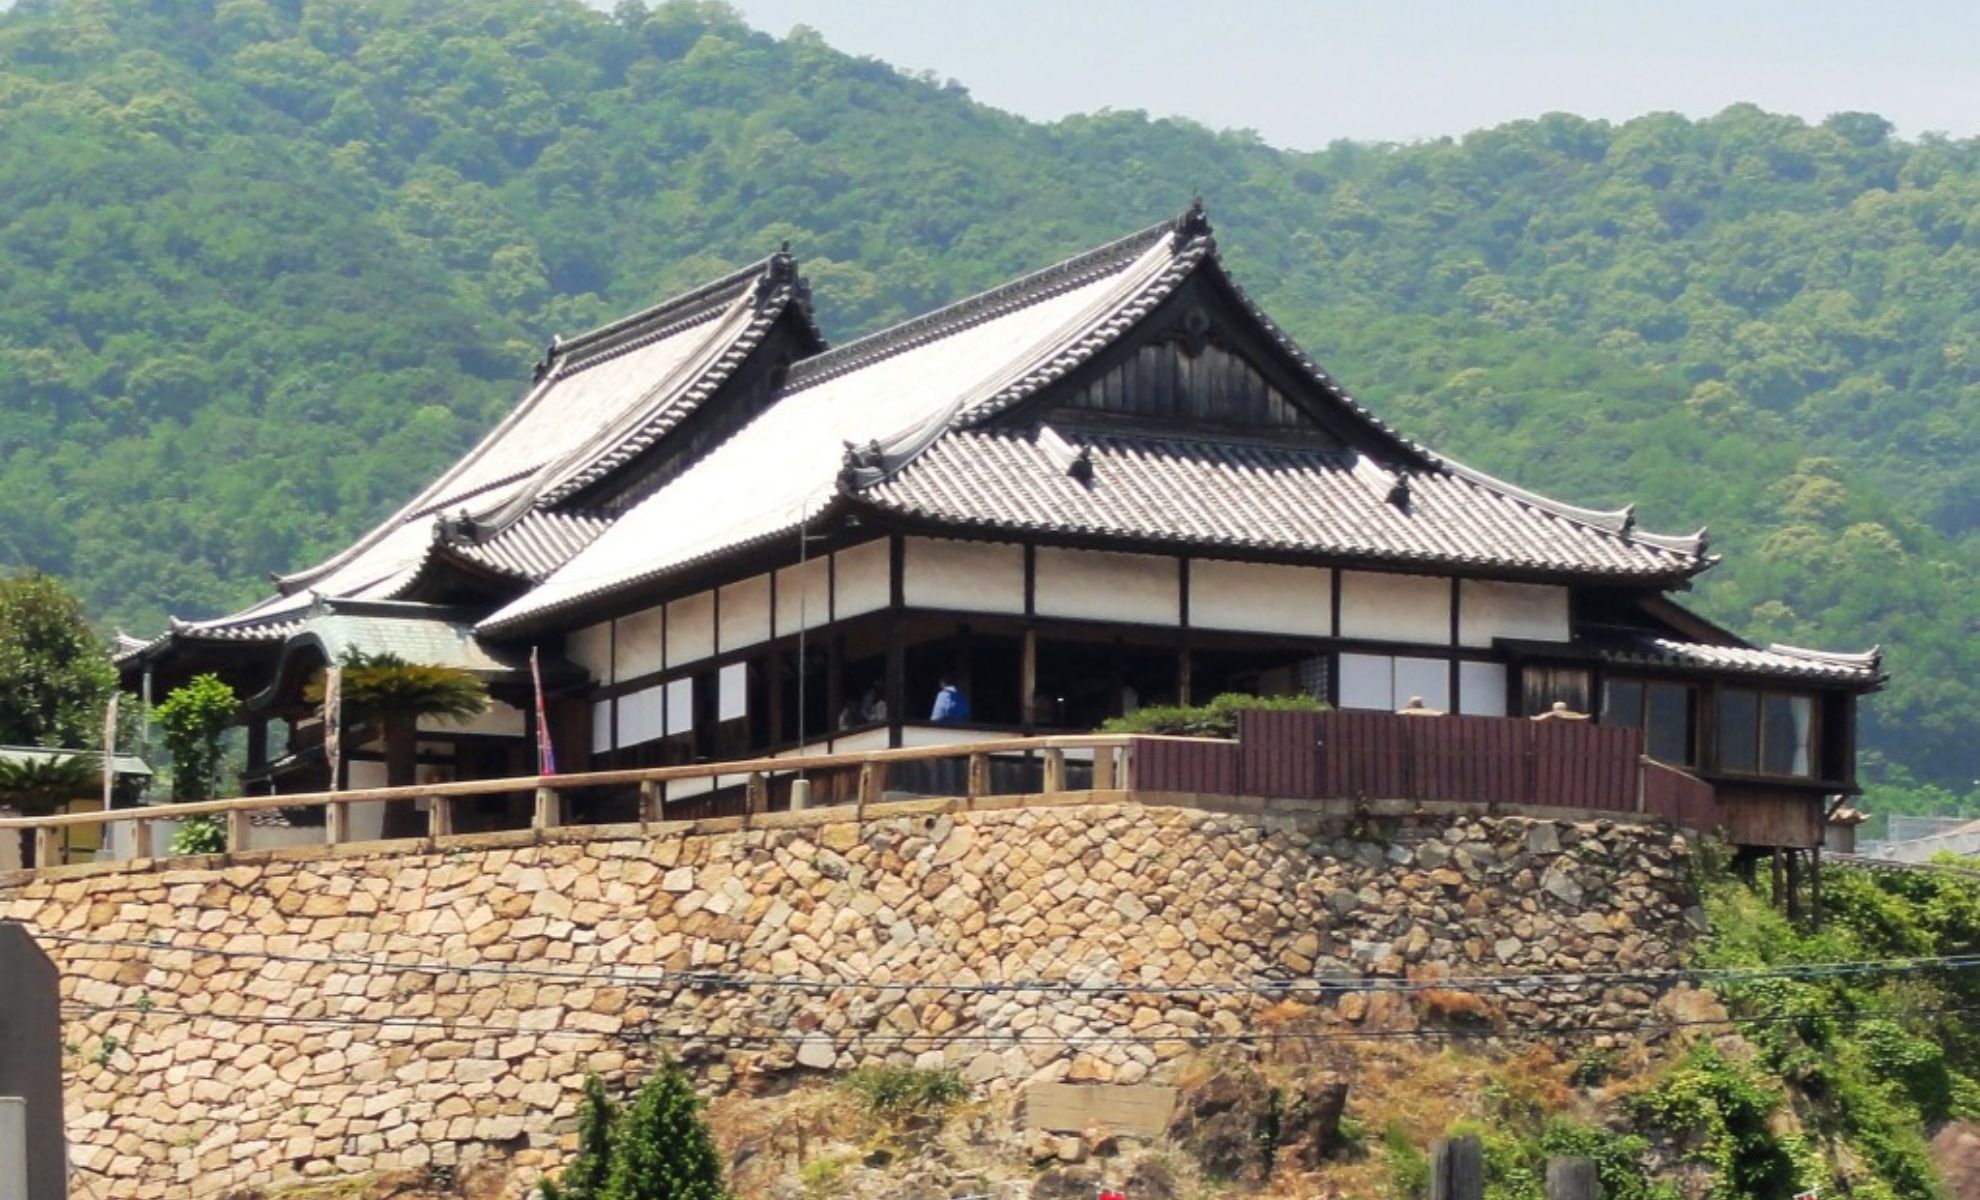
{"x": 266, "y": 264}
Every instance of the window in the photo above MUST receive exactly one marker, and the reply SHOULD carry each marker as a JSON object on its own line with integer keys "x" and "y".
{"x": 1380, "y": 681}
{"x": 1543, "y": 687}
{"x": 1662, "y": 710}
{"x": 1768, "y": 733}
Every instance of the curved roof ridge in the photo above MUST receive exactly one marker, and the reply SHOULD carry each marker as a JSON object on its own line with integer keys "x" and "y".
{"x": 1620, "y": 522}
{"x": 1864, "y": 658}
{"x": 973, "y": 310}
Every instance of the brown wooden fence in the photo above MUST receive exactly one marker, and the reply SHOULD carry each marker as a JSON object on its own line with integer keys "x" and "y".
{"x": 1393, "y": 756}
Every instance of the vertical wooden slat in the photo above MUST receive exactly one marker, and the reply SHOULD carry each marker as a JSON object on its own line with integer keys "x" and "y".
{"x": 872, "y": 785}
{"x": 756, "y": 794}
{"x": 238, "y": 830}
{"x": 652, "y": 800}
{"x": 979, "y": 775}
{"x": 336, "y": 822}
{"x": 440, "y": 816}
{"x": 1055, "y": 771}
{"x": 1103, "y": 768}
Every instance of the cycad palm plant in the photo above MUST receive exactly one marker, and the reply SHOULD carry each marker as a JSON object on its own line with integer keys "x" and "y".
{"x": 42, "y": 786}
{"x": 393, "y": 693}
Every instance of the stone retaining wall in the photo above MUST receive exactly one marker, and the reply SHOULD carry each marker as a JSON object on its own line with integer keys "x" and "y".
{"x": 806, "y": 943}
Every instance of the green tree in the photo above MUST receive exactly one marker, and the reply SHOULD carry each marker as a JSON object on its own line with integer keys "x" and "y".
{"x": 193, "y": 718}
{"x": 54, "y": 674}
{"x": 42, "y": 786}
{"x": 585, "y": 1174}
{"x": 393, "y": 693}
{"x": 662, "y": 1149}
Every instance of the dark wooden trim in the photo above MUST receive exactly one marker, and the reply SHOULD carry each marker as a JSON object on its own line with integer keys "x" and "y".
{"x": 897, "y": 571}
{"x": 1182, "y": 590}
{"x": 1334, "y": 601}
{"x": 1030, "y": 579}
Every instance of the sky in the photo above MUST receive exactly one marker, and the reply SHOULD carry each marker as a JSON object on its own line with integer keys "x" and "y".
{"x": 1305, "y": 74}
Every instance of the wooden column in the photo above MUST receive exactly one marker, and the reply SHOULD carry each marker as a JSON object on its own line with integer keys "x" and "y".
{"x": 1780, "y": 901}
{"x": 897, "y": 697}
{"x": 1794, "y": 885}
{"x": 1815, "y": 883}
{"x": 1028, "y": 680}
{"x": 1185, "y": 682}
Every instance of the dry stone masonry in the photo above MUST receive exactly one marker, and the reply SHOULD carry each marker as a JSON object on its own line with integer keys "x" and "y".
{"x": 468, "y": 990}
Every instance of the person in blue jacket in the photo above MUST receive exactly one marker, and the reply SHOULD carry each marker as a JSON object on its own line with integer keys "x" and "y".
{"x": 951, "y": 706}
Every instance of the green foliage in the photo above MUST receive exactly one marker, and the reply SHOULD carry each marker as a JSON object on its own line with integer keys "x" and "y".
{"x": 657, "y": 1148}
{"x": 199, "y": 835}
{"x": 661, "y": 1149}
{"x": 54, "y": 674}
{"x": 585, "y": 1173}
{"x": 265, "y": 268}
{"x": 897, "y": 1092}
{"x": 1722, "y": 1107}
{"x": 386, "y": 687}
{"x": 1218, "y": 718}
{"x": 41, "y": 787}
{"x": 1409, "y": 1166}
{"x": 192, "y": 718}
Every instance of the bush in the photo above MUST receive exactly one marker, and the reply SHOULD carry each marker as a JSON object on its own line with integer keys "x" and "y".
{"x": 199, "y": 835}
{"x": 1218, "y": 718}
{"x": 906, "y": 1091}
{"x": 659, "y": 1148}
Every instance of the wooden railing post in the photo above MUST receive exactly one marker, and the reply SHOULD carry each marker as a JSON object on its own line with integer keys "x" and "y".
{"x": 47, "y": 846}
{"x": 240, "y": 824}
{"x": 336, "y": 822}
{"x": 872, "y": 785}
{"x": 1125, "y": 775}
{"x": 549, "y": 809}
{"x": 1103, "y": 768}
{"x": 440, "y": 816}
{"x": 652, "y": 800}
{"x": 141, "y": 840}
{"x": 979, "y": 775}
{"x": 756, "y": 794}
{"x": 1055, "y": 771}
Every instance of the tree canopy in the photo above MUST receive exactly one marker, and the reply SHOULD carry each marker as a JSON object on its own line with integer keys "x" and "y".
{"x": 267, "y": 265}
{"x": 54, "y": 674}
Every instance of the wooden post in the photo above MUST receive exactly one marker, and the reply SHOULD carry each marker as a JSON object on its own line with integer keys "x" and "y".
{"x": 47, "y": 846}
{"x": 439, "y": 816}
{"x": 240, "y": 823}
{"x": 1457, "y": 1169}
{"x": 1124, "y": 776}
{"x": 1028, "y": 681}
{"x": 1815, "y": 883}
{"x": 872, "y": 785}
{"x": 549, "y": 809}
{"x": 652, "y": 800}
{"x": 1572, "y": 1179}
{"x": 756, "y": 794}
{"x": 1185, "y": 676}
{"x": 1055, "y": 771}
{"x": 1794, "y": 885}
{"x": 1103, "y": 768}
{"x": 336, "y": 822}
{"x": 979, "y": 775}
{"x": 1779, "y": 900}
{"x": 141, "y": 840}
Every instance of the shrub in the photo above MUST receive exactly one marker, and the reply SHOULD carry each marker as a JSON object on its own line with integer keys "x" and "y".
{"x": 906, "y": 1091}
{"x": 1216, "y": 719}
{"x": 199, "y": 835}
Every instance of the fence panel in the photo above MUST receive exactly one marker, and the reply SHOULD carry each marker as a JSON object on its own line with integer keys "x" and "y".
{"x": 1176, "y": 766}
{"x": 1279, "y": 754}
{"x": 1478, "y": 759}
{"x": 1684, "y": 800}
{"x": 1365, "y": 754}
{"x": 1579, "y": 764}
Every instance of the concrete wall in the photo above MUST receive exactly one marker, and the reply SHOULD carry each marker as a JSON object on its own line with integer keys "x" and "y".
{"x": 246, "y": 1063}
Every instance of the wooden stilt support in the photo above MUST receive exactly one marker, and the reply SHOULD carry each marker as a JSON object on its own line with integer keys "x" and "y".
{"x": 1780, "y": 900}
{"x": 1815, "y": 884}
{"x": 1794, "y": 885}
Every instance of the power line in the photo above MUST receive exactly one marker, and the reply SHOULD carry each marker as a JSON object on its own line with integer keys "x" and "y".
{"x": 707, "y": 980}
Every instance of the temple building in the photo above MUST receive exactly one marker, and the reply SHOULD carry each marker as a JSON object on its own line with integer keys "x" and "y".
{"x": 1112, "y": 483}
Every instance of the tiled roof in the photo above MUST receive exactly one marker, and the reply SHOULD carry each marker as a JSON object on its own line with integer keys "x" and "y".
{"x": 888, "y": 394}
{"x": 1229, "y": 492}
{"x": 533, "y": 547}
{"x": 1776, "y": 661}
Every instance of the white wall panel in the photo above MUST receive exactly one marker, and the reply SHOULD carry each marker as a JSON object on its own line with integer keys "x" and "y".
{"x": 640, "y": 717}
{"x": 804, "y": 600}
{"x": 1426, "y": 679}
{"x": 969, "y": 576}
{"x": 862, "y": 579}
{"x": 639, "y": 651}
{"x": 732, "y": 692}
{"x": 690, "y": 629}
{"x": 1396, "y": 608}
{"x": 601, "y": 726}
{"x": 1482, "y": 689}
{"x": 1261, "y": 597}
{"x": 744, "y": 614}
{"x": 1532, "y": 611}
{"x": 1368, "y": 681}
{"x": 1142, "y": 589}
{"x": 591, "y": 648}
{"x": 680, "y": 706}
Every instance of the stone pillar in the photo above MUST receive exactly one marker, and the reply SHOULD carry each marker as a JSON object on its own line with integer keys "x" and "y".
{"x": 31, "y": 1056}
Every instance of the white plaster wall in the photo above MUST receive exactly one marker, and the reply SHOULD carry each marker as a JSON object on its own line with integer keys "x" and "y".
{"x": 804, "y": 598}
{"x": 680, "y": 706}
{"x": 1427, "y": 679}
{"x": 640, "y": 716}
{"x": 690, "y": 629}
{"x": 591, "y": 648}
{"x": 862, "y": 579}
{"x": 1396, "y": 608}
{"x": 970, "y": 576}
{"x": 1386, "y": 683}
{"x": 744, "y": 614}
{"x": 601, "y": 726}
{"x": 498, "y": 720}
{"x": 1261, "y": 597}
{"x": 732, "y": 692}
{"x": 1140, "y": 589}
{"x": 1488, "y": 609}
{"x": 1482, "y": 689}
{"x": 639, "y": 650}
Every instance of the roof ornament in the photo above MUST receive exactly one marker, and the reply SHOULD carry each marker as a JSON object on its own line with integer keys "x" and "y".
{"x": 542, "y": 367}
{"x": 778, "y": 274}
{"x": 868, "y": 461}
{"x": 1193, "y": 224}
{"x": 1628, "y": 520}
{"x": 1399, "y": 491}
{"x": 1075, "y": 461}
{"x": 1704, "y": 540}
